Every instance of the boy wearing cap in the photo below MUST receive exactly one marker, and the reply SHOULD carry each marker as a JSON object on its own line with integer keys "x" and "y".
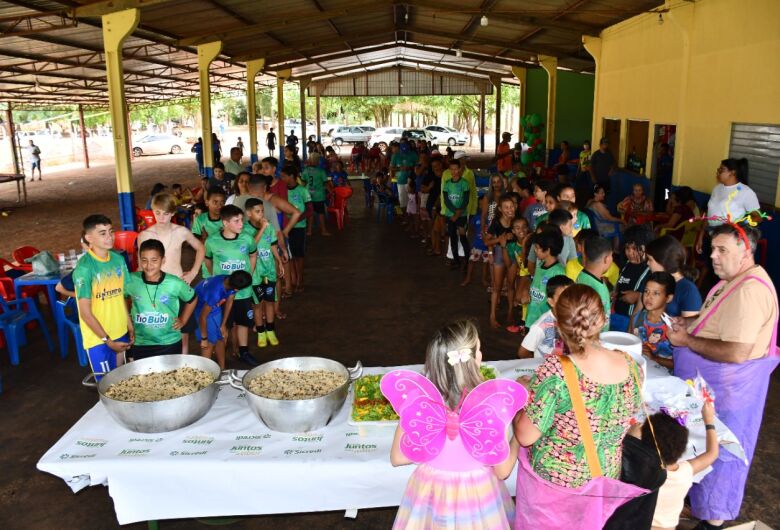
{"x": 504, "y": 154}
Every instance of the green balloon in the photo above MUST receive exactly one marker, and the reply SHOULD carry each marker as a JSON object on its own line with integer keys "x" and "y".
{"x": 535, "y": 120}
{"x": 526, "y": 157}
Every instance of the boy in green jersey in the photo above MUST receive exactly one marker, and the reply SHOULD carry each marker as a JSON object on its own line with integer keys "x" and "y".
{"x": 99, "y": 280}
{"x": 455, "y": 196}
{"x": 318, "y": 183}
{"x": 156, "y": 298}
{"x": 231, "y": 251}
{"x": 597, "y": 259}
{"x": 264, "y": 278}
{"x": 299, "y": 197}
{"x": 548, "y": 244}
{"x": 209, "y": 223}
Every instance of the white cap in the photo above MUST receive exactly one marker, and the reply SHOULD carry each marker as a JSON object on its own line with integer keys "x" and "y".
{"x": 459, "y": 154}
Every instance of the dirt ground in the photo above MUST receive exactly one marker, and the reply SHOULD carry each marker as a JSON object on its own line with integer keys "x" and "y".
{"x": 371, "y": 295}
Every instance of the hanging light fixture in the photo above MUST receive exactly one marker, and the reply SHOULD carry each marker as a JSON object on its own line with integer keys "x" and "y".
{"x": 483, "y": 21}
{"x": 458, "y": 53}
{"x": 406, "y": 17}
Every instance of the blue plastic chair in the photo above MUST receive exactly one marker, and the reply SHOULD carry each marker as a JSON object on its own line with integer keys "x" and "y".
{"x": 606, "y": 229}
{"x": 13, "y": 320}
{"x": 385, "y": 206}
{"x": 367, "y": 192}
{"x": 67, "y": 316}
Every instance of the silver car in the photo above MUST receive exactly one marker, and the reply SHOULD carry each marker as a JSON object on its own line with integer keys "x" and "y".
{"x": 443, "y": 134}
{"x": 157, "y": 144}
{"x": 349, "y": 134}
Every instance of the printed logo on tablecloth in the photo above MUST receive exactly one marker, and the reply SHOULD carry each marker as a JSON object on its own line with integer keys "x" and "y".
{"x": 91, "y": 442}
{"x": 246, "y": 450}
{"x": 197, "y": 439}
{"x": 146, "y": 440}
{"x": 66, "y": 456}
{"x": 188, "y": 453}
{"x": 308, "y": 437}
{"x": 134, "y": 452}
{"x": 351, "y": 433}
{"x": 265, "y": 436}
{"x": 360, "y": 448}
{"x": 292, "y": 452}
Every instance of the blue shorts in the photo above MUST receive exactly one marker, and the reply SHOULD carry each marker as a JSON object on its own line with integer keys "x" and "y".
{"x": 102, "y": 359}
{"x": 213, "y": 326}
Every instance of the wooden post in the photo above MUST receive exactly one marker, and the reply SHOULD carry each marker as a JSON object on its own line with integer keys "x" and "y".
{"x": 497, "y": 83}
{"x": 319, "y": 117}
{"x": 302, "y": 86}
{"x": 83, "y": 135}
{"x": 9, "y": 118}
{"x": 482, "y": 123}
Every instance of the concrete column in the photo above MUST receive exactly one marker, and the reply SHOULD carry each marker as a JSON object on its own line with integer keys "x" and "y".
{"x": 9, "y": 119}
{"x": 281, "y": 75}
{"x": 521, "y": 74}
{"x": 593, "y": 47}
{"x": 252, "y": 68}
{"x": 550, "y": 65}
{"x": 83, "y": 136}
{"x": 206, "y": 55}
{"x": 482, "y": 123}
{"x": 116, "y": 28}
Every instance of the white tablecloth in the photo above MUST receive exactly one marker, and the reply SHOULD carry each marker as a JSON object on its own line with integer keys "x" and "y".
{"x": 229, "y": 463}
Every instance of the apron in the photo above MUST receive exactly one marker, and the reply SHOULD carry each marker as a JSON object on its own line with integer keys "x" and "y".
{"x": 740, "y": 392}
{"x": 542, "y": 505}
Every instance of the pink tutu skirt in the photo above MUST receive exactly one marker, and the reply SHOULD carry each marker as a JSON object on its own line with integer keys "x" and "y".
{"x": 463, "y": 500}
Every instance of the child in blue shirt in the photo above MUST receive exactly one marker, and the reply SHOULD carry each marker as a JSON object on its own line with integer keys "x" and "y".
{"x": 479, "y": 252}
{"x": 339, "y": 176}
{"x": 649, "y": 324}
{"x": 215, "y": 301}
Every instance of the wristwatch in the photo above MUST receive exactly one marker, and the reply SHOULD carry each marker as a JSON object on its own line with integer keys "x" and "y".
{"x": 105, "y": 339}
{"x": 709, "y": 427}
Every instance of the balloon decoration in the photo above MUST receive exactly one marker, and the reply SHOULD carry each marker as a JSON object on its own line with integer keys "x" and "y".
{"x": 533, "y": 131}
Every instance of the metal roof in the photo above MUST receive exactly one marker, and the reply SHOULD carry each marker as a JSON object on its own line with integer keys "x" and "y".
{"x": 51, "y": 51}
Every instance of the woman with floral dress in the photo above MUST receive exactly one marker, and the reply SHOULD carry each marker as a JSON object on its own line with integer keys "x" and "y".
{"x": 609, "y": 383}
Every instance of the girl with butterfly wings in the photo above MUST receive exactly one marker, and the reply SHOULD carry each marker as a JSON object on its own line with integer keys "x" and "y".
{"x": 454, "y": 426}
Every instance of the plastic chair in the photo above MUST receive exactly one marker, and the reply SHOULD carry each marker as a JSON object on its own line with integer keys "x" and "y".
{"x": 339, "y": 209}
{"x": 605, "y": 228}
{"x": 367, "y": 191}
{"x": 385, "y": 206}
{"x": 12, "y": 323}
{"x": 125, "y": 240}
{"x": 145, "y": 219}
{"x": 22, "y": 253}
{"x": 67, "y": 316}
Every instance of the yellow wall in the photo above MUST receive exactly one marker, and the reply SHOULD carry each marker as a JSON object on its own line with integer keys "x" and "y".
{"x": 710, "y": 64}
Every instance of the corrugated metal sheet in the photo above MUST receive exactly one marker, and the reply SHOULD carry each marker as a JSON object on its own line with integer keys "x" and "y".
{"x": 400, "y": 82}
{"x": 760, "y": 144}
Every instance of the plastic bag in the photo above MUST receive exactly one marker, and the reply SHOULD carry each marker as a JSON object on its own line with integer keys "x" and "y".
{"x": 44, "y": 264}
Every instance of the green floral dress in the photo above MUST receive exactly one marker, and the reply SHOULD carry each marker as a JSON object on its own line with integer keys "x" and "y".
{"x": 558, "y": 456}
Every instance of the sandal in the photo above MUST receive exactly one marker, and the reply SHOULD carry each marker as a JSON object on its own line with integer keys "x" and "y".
{"x": 514, "y": 329}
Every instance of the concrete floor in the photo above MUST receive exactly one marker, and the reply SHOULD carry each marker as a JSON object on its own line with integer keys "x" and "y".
{"x": 371, "y": 295}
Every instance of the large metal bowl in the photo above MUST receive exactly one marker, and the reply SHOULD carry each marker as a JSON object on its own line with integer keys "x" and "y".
{"x": 166, "y": 415}
{"x": 297, "y": 415}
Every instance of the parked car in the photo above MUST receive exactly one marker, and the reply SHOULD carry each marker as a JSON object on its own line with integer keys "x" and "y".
{"x": 368, "y": 128}
{"x": 443, "y": 134}
{"x": 417, "y": 134}
{"x": 349, "y": 134}
{"x": 384, "y": 135}
{"x": 157, "y": 144}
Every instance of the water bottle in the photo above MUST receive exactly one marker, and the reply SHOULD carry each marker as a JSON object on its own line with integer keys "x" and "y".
{"x": 61, "y": 261}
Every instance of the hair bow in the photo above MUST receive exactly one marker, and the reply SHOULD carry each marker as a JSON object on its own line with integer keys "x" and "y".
{"x": 458, "y": 356}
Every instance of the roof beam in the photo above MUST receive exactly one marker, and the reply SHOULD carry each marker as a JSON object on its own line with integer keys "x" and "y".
{"x": 467, "y": 77}
{"x": 468, "y": 55}
{"x": 104, "y": 7}
{"x": 270, "y": 24}
{"x": 471, "y": 28}
{"x": 329, "y": 57}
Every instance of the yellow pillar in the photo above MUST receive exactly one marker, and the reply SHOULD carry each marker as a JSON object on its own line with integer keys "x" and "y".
{"x": 253, "y": 67}
{"x": 281, "y": 75}
{"x": 550, "y": 65}
{"x": 319, "y": 117}
{"x": 593, "y": 47}
{"x": 206, "y": 54}
{"x": 521, "y": 74}
{"x": 496, "y": 80}
{"x": 116, "y": 27}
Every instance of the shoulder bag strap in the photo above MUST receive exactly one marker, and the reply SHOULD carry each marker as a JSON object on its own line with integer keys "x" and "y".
{"x": 578, "y": 404}
{"x": 633, "y": 368}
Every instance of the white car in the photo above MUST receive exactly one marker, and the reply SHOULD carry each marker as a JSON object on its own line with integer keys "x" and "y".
{"x": 157, "y": 144}
{"x": 384, "y": 135}
{"x": 443, "y": 134}
{"x": 349, "y": 134}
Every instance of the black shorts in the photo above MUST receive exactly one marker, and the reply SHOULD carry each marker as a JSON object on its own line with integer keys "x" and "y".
{"x": 144, "y": 352}
{"x": 319, "y": 206}
{"x": 191, "y": 325}
{"x": 242, "y": 314}
{"x": 265, "y": 292}
{"x": 297, "y": 241}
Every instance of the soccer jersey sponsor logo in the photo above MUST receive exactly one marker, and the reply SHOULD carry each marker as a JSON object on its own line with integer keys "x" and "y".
{"x": 264, "y": 253}
{"x": 105, "y": 294}
{"x": 232, "y": 265}
{"x": 152, "y": 319}
{"x": 537, "y": 295}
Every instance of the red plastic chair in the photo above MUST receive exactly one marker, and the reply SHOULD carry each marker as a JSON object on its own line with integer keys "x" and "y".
{"x": 125, "y": 240}
{"x": 341, "y": 196}
{"x": 31, "y": 290}
{"x": 145, "y": 219}
{"x": 22, "y": 253}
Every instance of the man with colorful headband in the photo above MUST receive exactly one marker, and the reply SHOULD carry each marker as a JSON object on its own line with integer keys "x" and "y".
{"x": 732, "y": 345}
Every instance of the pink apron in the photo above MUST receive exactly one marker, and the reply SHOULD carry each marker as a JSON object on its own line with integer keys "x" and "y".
{"x": 740, "y": 395}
